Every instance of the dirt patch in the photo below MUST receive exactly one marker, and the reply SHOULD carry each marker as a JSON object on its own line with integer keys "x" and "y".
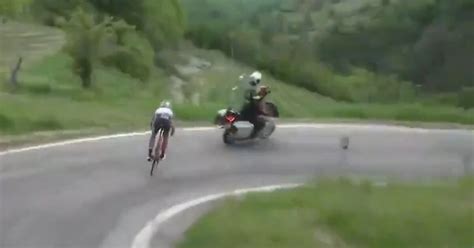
{"x": 328, "y": 239}
{"x": 185, "y": 85}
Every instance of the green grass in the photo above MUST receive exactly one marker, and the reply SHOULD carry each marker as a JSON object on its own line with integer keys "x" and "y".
{"x": 338, "y": 213}
{"x": 50, "y": 98}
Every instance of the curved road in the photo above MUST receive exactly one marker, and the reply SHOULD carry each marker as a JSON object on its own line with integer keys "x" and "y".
{"x": 99, "y": 193}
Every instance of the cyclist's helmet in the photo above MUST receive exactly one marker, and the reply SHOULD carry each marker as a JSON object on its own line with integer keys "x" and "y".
{"x": 255, "y": 78}
{"x": 165, "y": 104}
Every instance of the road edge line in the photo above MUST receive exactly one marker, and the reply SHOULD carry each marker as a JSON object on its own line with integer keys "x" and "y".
{"x": 195, "y": 129}
{"x": 144, "y": 237}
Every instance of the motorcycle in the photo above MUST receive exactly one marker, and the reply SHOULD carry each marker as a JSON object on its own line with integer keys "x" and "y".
{"x": 237, "y": 129}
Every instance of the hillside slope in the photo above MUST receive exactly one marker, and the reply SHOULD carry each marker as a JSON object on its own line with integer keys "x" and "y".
{"x": 50, "y": 97}
{"x": 32, "y": 42}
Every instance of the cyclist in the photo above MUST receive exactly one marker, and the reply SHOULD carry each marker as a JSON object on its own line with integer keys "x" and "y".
{"x": 162, "y": 119}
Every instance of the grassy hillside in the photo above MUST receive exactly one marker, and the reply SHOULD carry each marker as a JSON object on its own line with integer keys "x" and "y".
{"x": 51, "y": 98}
{"x": 32, "y": 42}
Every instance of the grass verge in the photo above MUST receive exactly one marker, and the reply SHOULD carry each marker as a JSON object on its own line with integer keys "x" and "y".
{"x": 339, "y": 213}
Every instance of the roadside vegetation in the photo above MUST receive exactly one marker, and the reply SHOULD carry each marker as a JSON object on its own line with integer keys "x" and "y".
{"x": 96, "y": 65}
{"x": 371, "y": 51}
{"x": 87, "y": 66}
{"x": 341, "y": 213}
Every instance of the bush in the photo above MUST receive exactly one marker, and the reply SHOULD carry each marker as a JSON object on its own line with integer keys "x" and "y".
{"x": 466, "y": 97}
{"x": 6, "y": 122}
{"x": 443, "y": 99}
{"x": 39, "y": 88}
{"x": 13, "y": 7}
{"x": 130, "y": 63}
{"x": 133, "y": 54}
{"x": 203, "y": 112}
{"x": 50, "y": 11}
{"x": 46, "y": 124}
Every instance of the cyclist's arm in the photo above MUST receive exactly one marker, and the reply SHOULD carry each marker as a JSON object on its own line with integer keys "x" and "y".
{"x": 256, "y": 97}
{"x": 172, "y": 126}
{"x": 172, "y": 130}
{"x": 152, "y": 120}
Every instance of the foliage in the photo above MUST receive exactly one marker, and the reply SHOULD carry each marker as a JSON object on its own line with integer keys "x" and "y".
{"x": 13, "y": 7}
{"x": 364, "y": 50}
{"x": 162, "y": 21}
{"x": 423, "y": 41}
{"x": 466, "y": 98}
{"x": 132, "y": 53}
{"x": 130, "y": 62}
{"x": 86, "y": 43}
{"x": 53, "y": 12}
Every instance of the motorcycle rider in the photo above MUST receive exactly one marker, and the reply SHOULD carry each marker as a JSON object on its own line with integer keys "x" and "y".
{"x": 251, "y": 110}
{"x": 162, "y": 119}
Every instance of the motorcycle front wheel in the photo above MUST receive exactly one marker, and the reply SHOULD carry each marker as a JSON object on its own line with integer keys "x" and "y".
{"x": 271, "y": 128}
{"x": 228, "y": 137}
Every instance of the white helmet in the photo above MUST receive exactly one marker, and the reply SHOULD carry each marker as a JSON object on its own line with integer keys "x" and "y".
{"x": 165, "y": 104}
{"x": 255, "y": 78}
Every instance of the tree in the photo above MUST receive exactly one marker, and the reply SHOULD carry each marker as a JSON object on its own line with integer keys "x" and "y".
{"x": 49, "y": 11}
{"x": 165, "y": 22}
{"x": 133, "y": 12}
{"x": 282, "y": 23}
{"x": 121, "y": 28}
{"x": 13, "y": 7}
{"x": 308, "y": 21}
{"x": 131, "y": 53}
{"x": 86, "y": 40}
{"x": 161, "y": 20}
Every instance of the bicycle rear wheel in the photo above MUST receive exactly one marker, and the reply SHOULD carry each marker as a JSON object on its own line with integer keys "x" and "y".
{"x": 156, "y": 151}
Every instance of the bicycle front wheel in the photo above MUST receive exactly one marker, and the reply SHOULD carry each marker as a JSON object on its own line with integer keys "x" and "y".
{"x": 153, "y": 165}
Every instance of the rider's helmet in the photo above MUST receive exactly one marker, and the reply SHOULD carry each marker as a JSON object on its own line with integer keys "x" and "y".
{"x": 165, "y": 104}
{"x": 255, "y": 78}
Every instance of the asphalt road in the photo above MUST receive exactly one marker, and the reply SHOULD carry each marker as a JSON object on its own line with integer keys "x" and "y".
{"x": 99, "y": 194}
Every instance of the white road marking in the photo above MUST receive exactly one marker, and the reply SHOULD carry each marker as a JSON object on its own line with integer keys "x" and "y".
{"x": 193, "y": 129}
{"x": 144, "y": 237}
{"x": 70, "y": 142}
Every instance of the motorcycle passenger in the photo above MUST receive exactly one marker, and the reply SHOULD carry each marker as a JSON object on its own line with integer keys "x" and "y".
{"x": 251, "y": 111}
{"x": 162, "y": 119}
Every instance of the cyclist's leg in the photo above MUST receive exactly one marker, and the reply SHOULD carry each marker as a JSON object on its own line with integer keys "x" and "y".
{"x": 154, "y": 131}
{"x": 166, "y": 133}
